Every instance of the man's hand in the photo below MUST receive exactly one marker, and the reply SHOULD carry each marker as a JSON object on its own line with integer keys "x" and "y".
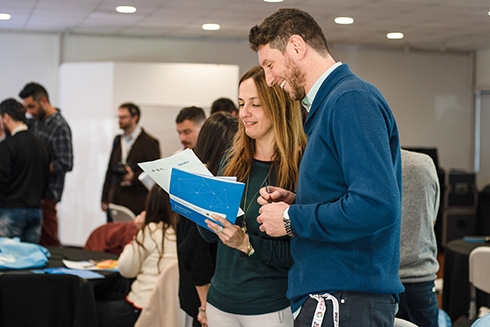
{"x": 127, "y": 179}
{"x": 276, "y": 194}
{"x": 270, "y": 219}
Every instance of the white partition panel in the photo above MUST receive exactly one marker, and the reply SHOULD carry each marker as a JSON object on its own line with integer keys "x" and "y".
{"x": 90, "y": 94}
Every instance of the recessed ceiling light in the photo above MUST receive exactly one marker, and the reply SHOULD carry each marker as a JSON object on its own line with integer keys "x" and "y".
{"x": 344, "y": 20}
{"x": 5, "y": 16}
{"x": 211, "y": 27}
{"x": 489, "y": 13}
{"x": 395, "y": 36}
{"x": 125, "y": 9}
{"x": 273, "y": 0}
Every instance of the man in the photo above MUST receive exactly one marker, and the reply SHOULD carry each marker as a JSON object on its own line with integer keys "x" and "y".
{"x": 418, "y": 263}
{"x": 189, "y": 122}
{"x": 53, "y": 130}
{"x": 345, "y": 217}
{"x": 23, "y": 176}
{"x": 224, "y": 104}
{"x": 121, "y": 184}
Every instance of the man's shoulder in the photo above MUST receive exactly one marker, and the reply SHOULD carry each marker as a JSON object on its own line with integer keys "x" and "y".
{"x": 147, "y": 137}
{"x": 60, "y": 120}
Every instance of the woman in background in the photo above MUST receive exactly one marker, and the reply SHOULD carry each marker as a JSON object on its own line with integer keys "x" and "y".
{"x": 197, "y": 258}
{"x": 250, "y": 281}
{"x": 150, "y": 252}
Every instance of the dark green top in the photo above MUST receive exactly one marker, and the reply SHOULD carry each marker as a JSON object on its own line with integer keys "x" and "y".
{"x": 256, "y": 284}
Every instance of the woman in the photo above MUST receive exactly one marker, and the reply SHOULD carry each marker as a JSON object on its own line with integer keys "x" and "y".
{"x": 152, "y": 249}
{"x": 250, "y": 281}
{"x": 197, "y": 258}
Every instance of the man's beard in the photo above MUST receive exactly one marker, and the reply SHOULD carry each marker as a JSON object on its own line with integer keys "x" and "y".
{"x": 41, "y": 113}
{"x": 296, "y": 82}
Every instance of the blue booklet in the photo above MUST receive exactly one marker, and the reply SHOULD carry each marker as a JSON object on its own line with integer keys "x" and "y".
{"x": 87, "y": 274}
{"x": 196, "y": 197}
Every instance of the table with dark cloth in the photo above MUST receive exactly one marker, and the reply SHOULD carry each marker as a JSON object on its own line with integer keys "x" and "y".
{"x": 456, "y": 287}
{"x": 49, "y": 300}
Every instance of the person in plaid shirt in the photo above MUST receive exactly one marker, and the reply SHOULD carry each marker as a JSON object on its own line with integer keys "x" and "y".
{"x": 50, "y": 126}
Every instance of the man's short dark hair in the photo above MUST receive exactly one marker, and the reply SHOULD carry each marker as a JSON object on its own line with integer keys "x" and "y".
{"x": 133, "y": 109}
{"x": 34, "y": 90}
{"x": 277, "y": 29}
{"x": 223, "y": 104}
{"x": 14, "y": 109}
{"x": 194, "y": 114}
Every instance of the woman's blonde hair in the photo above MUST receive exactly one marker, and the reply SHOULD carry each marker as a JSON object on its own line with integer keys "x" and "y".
{"x": 289, "y": 137}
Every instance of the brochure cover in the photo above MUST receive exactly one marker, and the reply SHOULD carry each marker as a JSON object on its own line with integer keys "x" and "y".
{"x": 159, "y": 170}
{"x": 196, "y": 196}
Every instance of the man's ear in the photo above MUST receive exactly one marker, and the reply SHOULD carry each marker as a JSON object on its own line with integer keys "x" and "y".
{"x": 44, "y": 100}
{"x": 297, "y": 45}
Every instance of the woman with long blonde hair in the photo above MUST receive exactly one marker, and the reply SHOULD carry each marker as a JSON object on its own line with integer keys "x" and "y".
{"x": 250, "y": 281}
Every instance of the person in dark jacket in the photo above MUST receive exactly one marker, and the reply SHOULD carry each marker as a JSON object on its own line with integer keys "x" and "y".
{"x": 24, "y": 172}
{"x": 121, "y": 184}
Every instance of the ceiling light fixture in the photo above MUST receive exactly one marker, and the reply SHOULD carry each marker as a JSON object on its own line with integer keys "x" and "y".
{"x": 273, "y": 0}
{"x": 395, "y": 36}
{"x": 211, "y": 27}
{"x": 344, "y": 20}
{"x": 5, "y": 16}
{"x": 126, "y": 9}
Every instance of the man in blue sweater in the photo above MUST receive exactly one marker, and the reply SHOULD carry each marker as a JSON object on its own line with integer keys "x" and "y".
{"x": 345, "y": 217}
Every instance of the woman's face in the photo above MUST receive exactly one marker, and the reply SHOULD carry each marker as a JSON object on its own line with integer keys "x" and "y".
{"x": 257, "y": 125}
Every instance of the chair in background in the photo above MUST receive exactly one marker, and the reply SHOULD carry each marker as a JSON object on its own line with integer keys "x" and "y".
{"x": 403, "y": 323}
{"x": 479, "y": 276}
{"x": 120, "y": 213}
{"x": 111, "y": 237}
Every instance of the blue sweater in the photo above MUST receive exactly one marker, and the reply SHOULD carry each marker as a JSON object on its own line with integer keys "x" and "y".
{"x": 347, "y": 213}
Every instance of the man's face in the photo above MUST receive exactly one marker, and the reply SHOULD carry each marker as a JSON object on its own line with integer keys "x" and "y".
{"x": 188, "y": 133}
{"x": 280, "y": 69}
{"x": 126, "y": 122}
{"x": 35, "y": 108}
{"x": 2, "y": 129}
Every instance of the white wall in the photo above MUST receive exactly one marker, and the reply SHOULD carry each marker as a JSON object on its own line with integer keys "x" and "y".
{"x": 431, "y": 94}
{"x": 91, "y": 94}
{"x": 483, "y": 69}
{"x": 29, "y": 57}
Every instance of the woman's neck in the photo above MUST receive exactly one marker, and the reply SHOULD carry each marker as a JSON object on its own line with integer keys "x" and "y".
{"x": 264, "y": 150}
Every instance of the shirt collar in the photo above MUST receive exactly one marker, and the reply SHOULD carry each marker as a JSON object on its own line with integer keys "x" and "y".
{"x": 308, "y": 100}
{"x": 133, "y": 135}
{"x": 21, "y": 127}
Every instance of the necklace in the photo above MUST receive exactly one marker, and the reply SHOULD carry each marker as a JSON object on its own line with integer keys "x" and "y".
{"x": 245, "y": 206}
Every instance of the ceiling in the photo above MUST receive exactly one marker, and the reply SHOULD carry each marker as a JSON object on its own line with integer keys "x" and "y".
{"x": 441, "y": 25}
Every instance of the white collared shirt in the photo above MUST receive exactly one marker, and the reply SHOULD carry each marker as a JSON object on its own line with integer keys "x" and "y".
{"x": 308, "y": 100}
{"x": 127, "y": 143}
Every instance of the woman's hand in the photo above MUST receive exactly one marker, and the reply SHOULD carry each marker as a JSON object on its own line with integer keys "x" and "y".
{"x": 201, "y": 317}
{"x": 139, "y": 220}
{"x": 230, "y": 234}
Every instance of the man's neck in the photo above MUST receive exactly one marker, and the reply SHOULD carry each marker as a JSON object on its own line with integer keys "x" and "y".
{"x": 316, "y": 68}
{"x": 49, "y": 110}
{"x": 128, "y": 131}
{"x": 16, "y": 127}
